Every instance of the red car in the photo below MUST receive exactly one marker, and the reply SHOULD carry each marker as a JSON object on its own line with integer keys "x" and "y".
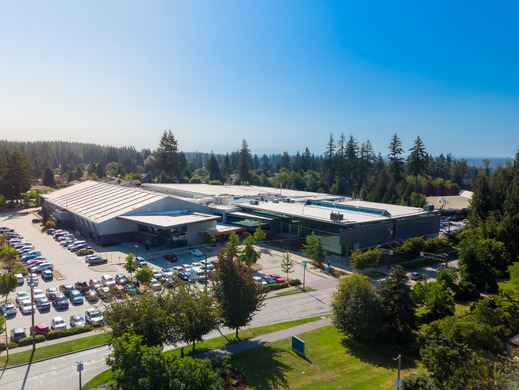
{"x": 171, "y": 257}
{"x": 277, "y": 278}
{"x": 41, "y": 329}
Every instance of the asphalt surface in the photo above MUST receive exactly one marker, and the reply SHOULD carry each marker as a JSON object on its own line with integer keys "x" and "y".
{"x": 60, "y": 373}
{"x": 73, "y": 268}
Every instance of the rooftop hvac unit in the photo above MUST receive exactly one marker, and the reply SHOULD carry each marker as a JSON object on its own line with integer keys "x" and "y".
{"x": 254, "y": 202}
{"x": 336, "y": 216}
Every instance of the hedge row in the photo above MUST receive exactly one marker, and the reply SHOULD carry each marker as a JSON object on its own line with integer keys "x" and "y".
{"x": 56, "y": 334}
{"x": 53, "y": 334}
{"x": 278, "y": 286}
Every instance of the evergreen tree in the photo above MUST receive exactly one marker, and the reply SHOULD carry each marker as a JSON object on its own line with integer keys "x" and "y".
{"x": 48, "y": 178}
{"x": 399, "y": 308}
{"x": 396, "y": 161}
{"x": 244, "y": 163}
{"x": 214, "y": 168}
{"x": 237, "y": 293}
{"x": 417, "y": 160}
{"x": 481, "y": 202}
{"x": 167, "y": 156}
{"x": 512, "y": 195}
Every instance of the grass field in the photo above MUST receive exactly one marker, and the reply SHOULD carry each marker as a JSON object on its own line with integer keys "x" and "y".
{"x": 214, "y": 343}
{"x": 55, "y": 349}
{"x": 331, "y": 364}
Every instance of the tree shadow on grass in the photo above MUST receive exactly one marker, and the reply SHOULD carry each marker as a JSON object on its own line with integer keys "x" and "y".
{"x": 381, "y": 354}
{"x": 263, "y": 367}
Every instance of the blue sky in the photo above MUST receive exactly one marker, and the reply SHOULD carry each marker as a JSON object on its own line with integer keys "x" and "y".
{"x": 282, "y": 74}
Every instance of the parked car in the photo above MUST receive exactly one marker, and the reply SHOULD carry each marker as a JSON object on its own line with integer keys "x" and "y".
{"x": 17, "y": 334}
{"x": 21, "y": 296}
{"x": 40, "y": 329}
{"x": 108, "y": 281}
{"x": 47, "y": 275}
{"x": 155, "y": 285}
{"x": 259, "y": 280}
{"x": 26, "y": 306}
{"x": 32, "y": 279}
{"x": 8, "y": 309}
{"x": 20, "y": 279}
{"x": 91, "y": 296}
{"x": 268, "y": 279}
{"x": 50, "y": 231}
{"x": 43, "y": 304}
{"x": 82, "y": 287}
{"x": 171, "y": 257}
{"x": 167, "y": 273}
{"x": 95, "y": 260}
{"x": 132, "y": 289}
{"x": 66, "y": 289}
{"x": 94, "y": 283}
{"x": 43, "y": 267}
{"x": 60, "y": 301}
{"x": 156, "y": 274}
{"x": 75, "y": 297}
{"x": 140, "y": 261}
{"x": 85, "y": 251}
{"x": 58, "y": 323}
{"x": 103, "y": 292}
{"x": 77, "y": 320}
{"x": 196, "y": 252}
{"x": 94, "y": 317}
{"x": 414, "y": 276}
{"x": 121, "y": 279}
{"x": 38, "y": 293}
{"x": 183, "y": 275}
{"x": 277, "y": 278}
{"x": 51, "y": 292}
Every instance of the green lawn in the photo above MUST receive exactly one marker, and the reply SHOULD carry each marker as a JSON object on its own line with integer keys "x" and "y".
{"x": 217, "y": 342}
{"x": 55, "y": 349}
{"x": 331, "y": 364}
{"x": 293, "y": 291}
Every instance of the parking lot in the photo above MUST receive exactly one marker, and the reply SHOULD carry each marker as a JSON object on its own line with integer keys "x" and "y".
{"x": 71, "y": 268}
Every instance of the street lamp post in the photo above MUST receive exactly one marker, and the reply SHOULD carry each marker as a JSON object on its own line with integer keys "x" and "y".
{"x": 33, "y": 331}
{"x": 303, "y": 263}
{"x": 399, "y": 359}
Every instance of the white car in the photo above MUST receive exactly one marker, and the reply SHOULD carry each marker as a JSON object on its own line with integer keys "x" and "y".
{"x": 26, "y": 307}
{"x": 38, "y": 293}
{"x": 21, "y": 296}
{"x": 196, "y": 252}
{"x": 155, "y": 285}
{"x": 108, "y": 281}
{"x": 94, "y": 317}
{"x": 58, "y": 323}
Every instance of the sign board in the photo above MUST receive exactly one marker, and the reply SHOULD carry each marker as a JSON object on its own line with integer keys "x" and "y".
{"x": 79, "y": 366}
{"x": 303, "y": 263}
{"x": 326, "y": 269}
{"x": 298, "y": 346}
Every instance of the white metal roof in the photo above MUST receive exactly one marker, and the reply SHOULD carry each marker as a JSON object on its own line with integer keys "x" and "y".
{"x": 98, "y": 202}
{"x": 299, "y": 209}
{"x": 204, "y": 190}
{"x": 168, "y": 221}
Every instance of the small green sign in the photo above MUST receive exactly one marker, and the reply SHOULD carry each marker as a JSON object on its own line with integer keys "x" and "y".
{"x": 303, "y": 263}
{"x": 298, "y": 346}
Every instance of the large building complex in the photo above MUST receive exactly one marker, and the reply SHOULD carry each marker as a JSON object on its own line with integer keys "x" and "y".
{"x": 176, "y": 214}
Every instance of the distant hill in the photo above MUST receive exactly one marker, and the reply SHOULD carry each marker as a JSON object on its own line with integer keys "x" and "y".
{"x": 494, "y": 161}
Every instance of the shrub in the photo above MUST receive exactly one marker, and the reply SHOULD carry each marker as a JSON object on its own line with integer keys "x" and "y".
{"x": 294, "y": 282}
{"x": 56, "y": 334}
{"x": 279, "y": 286}
{"x": 18, "y": 268}
{"x": 28, "y": 340}
{"x": 11, "y": 345}
{"x": 366, "y": 259}
{"x": 419, "y": 381}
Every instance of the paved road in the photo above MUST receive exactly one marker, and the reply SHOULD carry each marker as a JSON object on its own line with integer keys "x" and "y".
{"x": 60, "y": 373}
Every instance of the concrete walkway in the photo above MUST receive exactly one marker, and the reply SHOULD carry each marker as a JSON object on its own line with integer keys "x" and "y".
{"x": 246, "y": 345}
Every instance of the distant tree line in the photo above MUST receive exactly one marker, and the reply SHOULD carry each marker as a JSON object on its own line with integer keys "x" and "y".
{"x": 345, "y": 166}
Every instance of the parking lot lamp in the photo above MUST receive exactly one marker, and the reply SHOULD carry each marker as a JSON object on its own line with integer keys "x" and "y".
{"x": 399, "y": 360}
{"x": 33, "y": 331}
{"x": 136, "y": 250}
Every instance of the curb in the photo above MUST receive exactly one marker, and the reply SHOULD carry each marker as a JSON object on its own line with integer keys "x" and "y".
{"x": 54, "y": 357}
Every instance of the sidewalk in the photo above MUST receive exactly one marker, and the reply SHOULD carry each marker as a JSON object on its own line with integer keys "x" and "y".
{"x": 246, "y": 345}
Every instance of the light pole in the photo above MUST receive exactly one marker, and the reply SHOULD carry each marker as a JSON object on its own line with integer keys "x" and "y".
{"x": 136, "y": 250}
{"x": 33, "y": 331}
{"x": 399, "y": 359}
{"x": 303, "y": 263}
